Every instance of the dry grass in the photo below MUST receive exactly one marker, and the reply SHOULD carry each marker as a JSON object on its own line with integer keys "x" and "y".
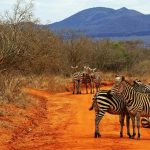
{"x": 109, "y": 76}
{"x": 11, "y": 86}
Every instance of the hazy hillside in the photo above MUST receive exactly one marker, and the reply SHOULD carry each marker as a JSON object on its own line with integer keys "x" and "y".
{"x": 106, "y": 22}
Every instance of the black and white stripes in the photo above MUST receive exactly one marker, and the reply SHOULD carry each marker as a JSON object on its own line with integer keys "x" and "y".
{"x": 138, "y": 104}
{"x": 103, "y": 102}
{"x": 76, "y": 80}
{"x": 142, "y": 88}
{"x": 88, "y": 77}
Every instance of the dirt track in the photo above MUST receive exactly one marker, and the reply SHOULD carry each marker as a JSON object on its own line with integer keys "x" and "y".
{"x": 70, "y": 126}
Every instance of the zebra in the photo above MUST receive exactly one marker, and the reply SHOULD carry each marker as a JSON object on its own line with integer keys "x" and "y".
{"x": 97, "y": 82}
{"x": 140, "y": 87}
{"x": 143, "y": 88}
{"x": 137, "y": 104}
{"x": 93, "y": 79}
{"x": 76, "y": 79}
{"x": 86, "y": 78}
{"x": 103, "y": 102}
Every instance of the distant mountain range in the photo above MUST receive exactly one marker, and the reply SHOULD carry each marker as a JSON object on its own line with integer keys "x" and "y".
{"x": 106, "y": 22}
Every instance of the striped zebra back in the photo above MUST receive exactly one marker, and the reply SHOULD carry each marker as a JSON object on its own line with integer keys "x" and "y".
{"x": 104, "y": 101}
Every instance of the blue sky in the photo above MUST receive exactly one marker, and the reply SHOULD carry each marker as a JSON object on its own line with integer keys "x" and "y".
{"x": 49, "y": 11}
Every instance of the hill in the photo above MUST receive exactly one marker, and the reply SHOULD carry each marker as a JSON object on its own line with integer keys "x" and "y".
{"x": 106, "y": 22}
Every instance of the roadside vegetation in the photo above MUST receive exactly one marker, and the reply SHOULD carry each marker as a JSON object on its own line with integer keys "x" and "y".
{"x": 32, "y": 56}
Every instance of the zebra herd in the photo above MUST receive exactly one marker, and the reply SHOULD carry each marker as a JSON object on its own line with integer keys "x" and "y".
{"x": 123, "y": 99}
{"x": 88, "y": 77}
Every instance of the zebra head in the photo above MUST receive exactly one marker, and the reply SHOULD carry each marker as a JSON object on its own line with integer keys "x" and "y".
{"x": 118, "y": 85}
{"x": 92, "y": 72}
{"x": 74, "y": 68}
{"x": 137, "y": 82}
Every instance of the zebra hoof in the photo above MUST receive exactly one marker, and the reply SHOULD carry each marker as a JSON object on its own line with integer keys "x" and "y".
{"x": 138, "y": 138}
{"x": 121, "y": 135}
{"x": 132, "y": 137}
{"x": 97, "y": 135}
{"x": 91, "y": 108}
{"x": 129, "y": 135}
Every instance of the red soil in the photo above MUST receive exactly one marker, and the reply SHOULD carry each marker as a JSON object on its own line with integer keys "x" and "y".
{"x": 69, "y": 125}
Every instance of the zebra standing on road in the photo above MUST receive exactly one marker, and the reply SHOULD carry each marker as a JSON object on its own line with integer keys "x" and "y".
{"x": 97, "y": 82}
{"x": 103, "y": 102}
{"x": 76, "y": 79}
{"x": 138, "y": 104}
{"x": 86, "y": 78}
{"x": 94, "y": 79}
{"x": 143, "y": 88}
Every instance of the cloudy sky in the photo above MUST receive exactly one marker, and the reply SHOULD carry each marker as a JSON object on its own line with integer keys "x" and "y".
{"x": 49, "y": 11}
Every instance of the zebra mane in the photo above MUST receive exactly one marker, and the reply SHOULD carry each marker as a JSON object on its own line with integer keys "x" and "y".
{"x": 129, "y": 84}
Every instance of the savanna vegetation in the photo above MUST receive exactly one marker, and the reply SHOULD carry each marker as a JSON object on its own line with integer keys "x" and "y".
{"x": 33, "y": 56}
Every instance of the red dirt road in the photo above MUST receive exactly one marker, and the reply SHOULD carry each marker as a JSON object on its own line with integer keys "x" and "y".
{"x": 69, "y": 125}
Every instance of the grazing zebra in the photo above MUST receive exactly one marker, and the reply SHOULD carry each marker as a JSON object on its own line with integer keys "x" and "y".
{"x": 138, "y": 104}
{"x": 103, "y": 102}
{"x": 76, "y": 79}
{"x": 143, "y": 88}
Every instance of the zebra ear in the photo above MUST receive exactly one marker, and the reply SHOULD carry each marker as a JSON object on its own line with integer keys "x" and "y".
{"x": 123, "y": 78}
{"x": 74, "y": 67}
{"x": 94, "y": 69}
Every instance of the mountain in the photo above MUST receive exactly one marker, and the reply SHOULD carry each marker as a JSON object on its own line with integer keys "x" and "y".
{"x": 106, "y": 22}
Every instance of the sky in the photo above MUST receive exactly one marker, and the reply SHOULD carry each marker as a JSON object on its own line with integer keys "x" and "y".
{"x": 50, "y": 11}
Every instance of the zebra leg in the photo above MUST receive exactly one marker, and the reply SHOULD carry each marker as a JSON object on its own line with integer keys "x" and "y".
{"x": 80, "y": 87}
{"x": 96, "y": 89}
{"x": 121, "y": 120}
{"x": 91, "y": 87}
{"x": 133, "y": 126}
{"x": 128, "y": 124}
{"x": 77, "y": 87}
{"x": 97, "y": 121}
{"x": 86, "y": 88}
{"x": 73, "y": 87}
{"x": 138, "y": 125}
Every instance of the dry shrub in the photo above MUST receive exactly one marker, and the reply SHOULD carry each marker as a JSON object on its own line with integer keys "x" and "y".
{"x": 49, "y": 82}
{"x": 108, "y": 77}
{"x": 11, "y": 86}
